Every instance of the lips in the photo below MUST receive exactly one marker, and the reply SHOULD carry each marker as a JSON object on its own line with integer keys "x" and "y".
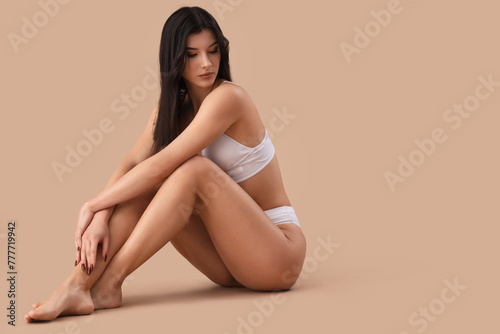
{"x": 206, "y": 74}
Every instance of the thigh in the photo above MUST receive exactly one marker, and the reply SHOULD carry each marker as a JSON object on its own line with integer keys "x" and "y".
{"x": 194, "y": 243}
{"x": 257, "y": 252}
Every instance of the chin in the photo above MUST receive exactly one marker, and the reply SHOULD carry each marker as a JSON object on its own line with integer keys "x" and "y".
{"x": 205, "y": 82}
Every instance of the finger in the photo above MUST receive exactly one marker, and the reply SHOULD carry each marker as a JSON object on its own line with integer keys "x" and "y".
{"x": 93, "y": 254}
{"x": 88, "y": 256}
{"x": 77, "y": 255}
{"x": 105, "y": 245}
{"x": 83, "y": 260}
{"x": 78, "y": 246}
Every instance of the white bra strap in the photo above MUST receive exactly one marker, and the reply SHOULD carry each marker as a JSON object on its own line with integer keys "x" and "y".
{"x": 229, "y": 82}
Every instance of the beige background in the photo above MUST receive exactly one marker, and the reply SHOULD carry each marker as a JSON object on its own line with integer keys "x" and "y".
{"x": 352, "y": 122}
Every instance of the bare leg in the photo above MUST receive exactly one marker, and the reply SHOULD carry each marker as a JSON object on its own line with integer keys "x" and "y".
{"x": 195, "y": 244}
{"x": 74, "y": 295}
{"x": 256, "y": 252}
{"x": 250, "y": 247}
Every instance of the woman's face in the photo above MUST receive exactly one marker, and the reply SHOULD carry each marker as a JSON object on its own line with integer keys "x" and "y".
{"x": 203, "y": 56}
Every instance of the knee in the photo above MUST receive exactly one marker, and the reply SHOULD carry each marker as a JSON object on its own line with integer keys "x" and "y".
{"x": 196, "y": 161}
{"x": 188, "y": 170}
{"x": 209, "y": 178}
{"x": 194, "y": 166}
{"x": 203, "y": 166}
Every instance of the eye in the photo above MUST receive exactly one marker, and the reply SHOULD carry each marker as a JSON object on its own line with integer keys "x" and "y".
{"x": 195, "y": 54}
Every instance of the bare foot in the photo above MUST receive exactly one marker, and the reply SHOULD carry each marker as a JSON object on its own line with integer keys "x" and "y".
{"x": 68, "y": 299}
{"x": 105, "y": 295}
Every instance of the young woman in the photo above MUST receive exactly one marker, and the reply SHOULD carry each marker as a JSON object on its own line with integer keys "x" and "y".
{"x": 202, "y": 176}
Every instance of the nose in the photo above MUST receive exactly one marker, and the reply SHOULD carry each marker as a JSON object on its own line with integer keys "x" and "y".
{"x": 205, "y": 62}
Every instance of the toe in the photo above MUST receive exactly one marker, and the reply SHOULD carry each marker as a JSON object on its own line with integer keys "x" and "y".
{"x": 32, "y": 315}
{"x": 35, "y": 315}
{"x": 37, "y": 305}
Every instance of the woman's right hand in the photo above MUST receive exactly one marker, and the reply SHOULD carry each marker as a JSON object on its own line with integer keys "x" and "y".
{"x": 96, "y": 233}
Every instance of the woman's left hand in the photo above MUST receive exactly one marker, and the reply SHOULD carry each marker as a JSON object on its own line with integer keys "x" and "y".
{"x": 96, "y": 233}
{"x": 84, "y": 218}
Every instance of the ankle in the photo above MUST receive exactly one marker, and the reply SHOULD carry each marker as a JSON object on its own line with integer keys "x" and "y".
{"x": 77, "y": 282}
{"x": 112, "y": 279}
{"x": 116, "y": 283}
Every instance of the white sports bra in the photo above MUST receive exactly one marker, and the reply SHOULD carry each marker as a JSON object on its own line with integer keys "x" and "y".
{"x": 239, "y": 161}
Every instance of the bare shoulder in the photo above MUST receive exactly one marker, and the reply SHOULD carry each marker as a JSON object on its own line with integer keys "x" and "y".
{"x": 227, "y": 100}
{"x": 231, "y": 92}
{"x": 233, "y": 96}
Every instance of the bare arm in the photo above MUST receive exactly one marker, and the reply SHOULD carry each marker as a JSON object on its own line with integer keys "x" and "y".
{"x": 121, "y": 170}
{"x": 141, "y": 150}
{"x": 219, "y": 110}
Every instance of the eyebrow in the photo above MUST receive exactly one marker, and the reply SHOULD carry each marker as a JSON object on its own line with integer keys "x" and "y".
{"x": 188, "y": 48}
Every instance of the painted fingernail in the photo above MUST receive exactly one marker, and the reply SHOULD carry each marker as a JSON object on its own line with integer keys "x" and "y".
{"x": 78, "y": 248}
{"x": 76, "y": 262}
{"x": 91, "y": 268}
{"x": 105, "y": 257}
{"x": 83, "y": 266}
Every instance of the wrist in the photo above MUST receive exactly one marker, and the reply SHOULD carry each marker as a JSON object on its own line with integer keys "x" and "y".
{"x": 103, "y": 214}
{"x": 90, "y": 206}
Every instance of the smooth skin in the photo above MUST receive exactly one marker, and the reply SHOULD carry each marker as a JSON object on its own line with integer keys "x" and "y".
{"x": 179, "y": 196}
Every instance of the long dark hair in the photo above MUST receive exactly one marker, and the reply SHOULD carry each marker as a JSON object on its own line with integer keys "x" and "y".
{"x": 173, "y": 56}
